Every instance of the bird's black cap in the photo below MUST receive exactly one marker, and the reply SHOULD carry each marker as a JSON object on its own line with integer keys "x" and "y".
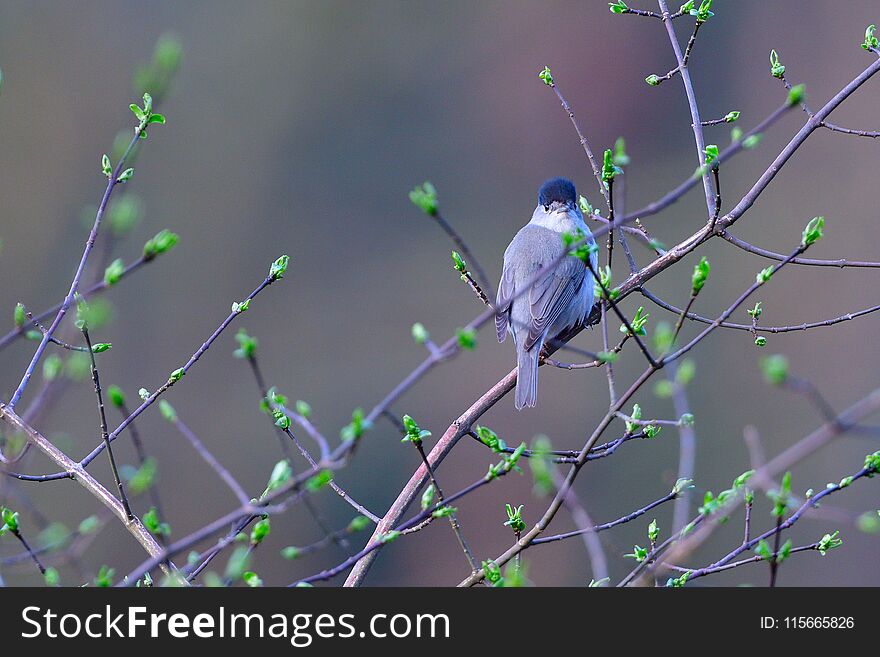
{"x": 557, "y": 189}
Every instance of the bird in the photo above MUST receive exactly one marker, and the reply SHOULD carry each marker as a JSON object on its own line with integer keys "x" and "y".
{"x": 534, "y": 311}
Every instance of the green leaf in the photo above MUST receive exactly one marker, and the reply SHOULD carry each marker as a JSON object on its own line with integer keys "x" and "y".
{"x": 19, "y": 315}
{"x": 653, "y": 80}
{"x": 514, "y": 518}
{"x": 167, "y": 411}
{"x": 427, "y": 500}
{"x": 414, "y": 433}
{"x": 357, "y": 427}
{"x": 775, "y": 369}
{"x": 10, "y": 520}
{"x": 743, "y": 479}
{"x": 247, "y": 345}
{"x": 829, "y": 542}
{"x": 124, "y": 214}
{"x": 52, "y": 367}
{"x": 164, "y": 241}
{"x": 82, "y": 311}
{"x": 240, "y": 307}
{"x": 88, "y": 525}
{"x": 760, "y": 341}
{"x": 358, "y": 524}
{"x": 639, "y": 553}
{"x": 389, "y": 536}
{"x": 51, "y": 577}
{"x": 777, "y": 70}
{"x": 763, "y": 550}
{"x": 303, "y": 408}
{"x": 781, "y": 496}
{"x": 320, "y": 480}
{"x": 731, "y": 117}
{"x": 700, "y": 276}
{"x": 106, "y": 167}
{"x": 540, "y": 466}
{"x": 458, "y": 262}
{"x": 618, "y": 7}
{"x": 125, "y": 176}
{"x": 238, "y": 562}
{"x": 546, "y": 76}
{"x": 663, "y": 336}
{"x": 606, "y": 357}
{"x": 637, "y": 323}
{"x": 281, "y": 474}
{"x": 584, "y": 204}
{"x": 114, "y": 272}
{"x": 143, "y": 477}
{"x": 682, "y": 485}
{"x": 466, "y": 338}
{"x": 685, "y": 372}
{"x": 664, "y": 389}
{"x": 653, "y": 531}
{"x": 609, "y": 169}
{"x": 605, "y": 280}
{"x": 813, "y": 232}
{"x": 752, "y": 141}
{"x": 279, "y": 267}
{"x": 282, "y": 421}
{"x": 260, "y": 531}
{"x": 764, "y": 275}
{"x": 869, "y": 522}
{"x": 104, "y": 578}
{"x": 424, "y": 197}
{"x": 420, "y": 334}
{"x": 252, "y": 579}
{"x": 290, "y": 552}
{"x": 711, "y": 153}
{"x": 490, "y": 439}
{"x": 870, "y": 39}
{"x": 585, "y": 248}
{"x": 796, "y": 95}
{"x": 703, "y": 14}
{"x": 101, "y": 347}
{"x": 621, "y": 159}
{"x": 632, "y": 427}
{"x": 176, "y": 375}
{"x": 153, "y": 523}
{"x": 492, "y": 572}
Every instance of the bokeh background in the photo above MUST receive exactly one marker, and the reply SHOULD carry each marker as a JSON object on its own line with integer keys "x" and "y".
{"x": 299, "y": 127}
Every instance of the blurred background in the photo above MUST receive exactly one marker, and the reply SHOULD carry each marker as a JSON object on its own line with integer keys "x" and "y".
{"x": 300, "y": 127}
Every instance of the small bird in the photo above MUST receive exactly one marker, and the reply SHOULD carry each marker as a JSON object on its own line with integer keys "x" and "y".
{"x": 559, "y": 299}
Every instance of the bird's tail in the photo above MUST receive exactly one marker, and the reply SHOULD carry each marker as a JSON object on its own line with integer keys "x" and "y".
{"x": 527, "y": 377}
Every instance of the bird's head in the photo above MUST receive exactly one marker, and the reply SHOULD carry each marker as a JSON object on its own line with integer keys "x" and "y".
{"x": 557, "y": 195}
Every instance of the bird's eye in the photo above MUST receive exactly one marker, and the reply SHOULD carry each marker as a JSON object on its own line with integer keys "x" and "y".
{"x": 546, "y": 208}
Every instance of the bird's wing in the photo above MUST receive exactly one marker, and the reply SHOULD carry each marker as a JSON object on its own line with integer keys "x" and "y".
{"x": 549, "y": 297}
{"x": 503, "y": 300}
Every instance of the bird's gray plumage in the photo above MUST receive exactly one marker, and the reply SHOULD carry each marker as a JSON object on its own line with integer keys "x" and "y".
{"x": 561, "y": 297}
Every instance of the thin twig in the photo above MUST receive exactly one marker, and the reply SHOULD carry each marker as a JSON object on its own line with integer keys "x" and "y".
{"x": 103, "y": 415}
